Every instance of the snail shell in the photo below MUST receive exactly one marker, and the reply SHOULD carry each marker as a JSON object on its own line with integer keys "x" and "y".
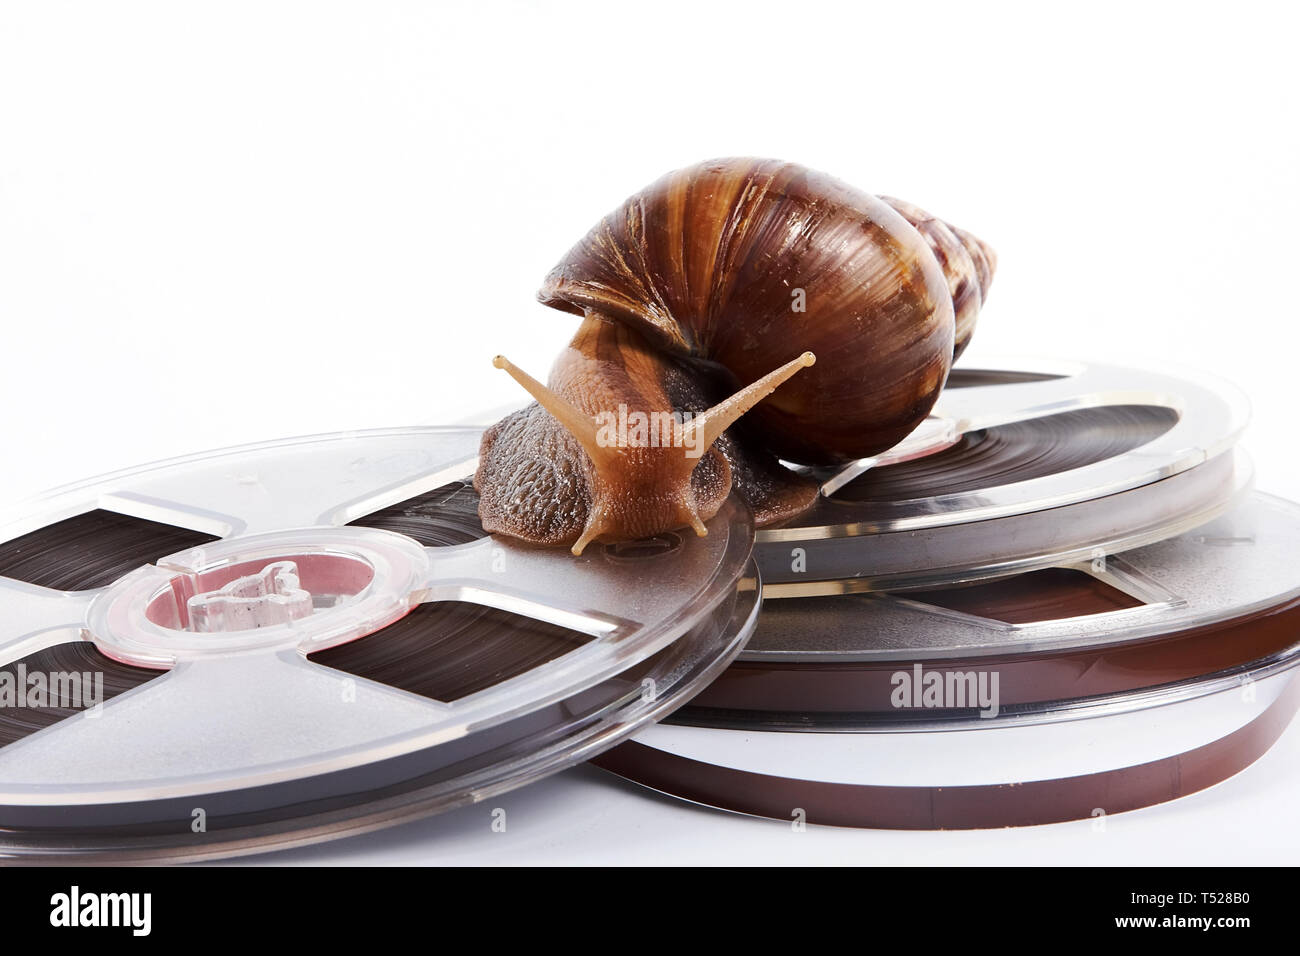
{"x": 968, "y": 265}
{"x": 716, "y": 261}
{"x": 731, "y": 274}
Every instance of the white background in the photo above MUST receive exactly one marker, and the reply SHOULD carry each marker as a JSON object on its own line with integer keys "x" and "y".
{"x": 222, "y": 223}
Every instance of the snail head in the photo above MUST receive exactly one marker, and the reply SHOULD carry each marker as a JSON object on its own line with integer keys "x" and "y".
{"x": 604, "y": 454}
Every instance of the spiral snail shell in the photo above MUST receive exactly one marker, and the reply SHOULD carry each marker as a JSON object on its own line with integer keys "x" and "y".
{"x": 730, "y": 274}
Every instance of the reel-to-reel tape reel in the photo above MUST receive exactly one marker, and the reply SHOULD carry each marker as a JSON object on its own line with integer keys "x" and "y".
{"x": 1058, "y": 597}
{"x": 228, "y": 708}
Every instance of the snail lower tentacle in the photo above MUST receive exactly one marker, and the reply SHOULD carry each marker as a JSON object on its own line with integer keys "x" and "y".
{"x": 747, "y": 267}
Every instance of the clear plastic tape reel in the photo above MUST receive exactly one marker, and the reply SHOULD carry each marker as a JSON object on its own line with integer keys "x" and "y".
{"x": 993, "y": 753}
{"x": 1184, "y": 477}
{"x": 244, "y": 707}
{"x": 1227, "y": 569}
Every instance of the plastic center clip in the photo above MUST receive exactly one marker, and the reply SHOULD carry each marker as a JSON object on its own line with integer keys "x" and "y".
{"x": 272, "y": 596}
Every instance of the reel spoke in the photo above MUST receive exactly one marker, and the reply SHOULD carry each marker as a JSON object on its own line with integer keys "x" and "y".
{"x": 256, "y": 714}
{"x": 327, "y": 480}
{"x": 607, "y": 589}
{"x": 984, "y": 406}
{"x": 32, "y": 617}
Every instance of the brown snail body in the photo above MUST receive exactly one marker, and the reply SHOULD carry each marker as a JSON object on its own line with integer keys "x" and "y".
{"x": 712, "y": 278}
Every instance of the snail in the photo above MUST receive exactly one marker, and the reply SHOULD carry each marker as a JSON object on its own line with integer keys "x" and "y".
{"x": 717, "y": 286}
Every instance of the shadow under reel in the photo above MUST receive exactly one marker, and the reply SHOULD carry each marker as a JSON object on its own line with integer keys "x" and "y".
{"x": 1057, "y": 598}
